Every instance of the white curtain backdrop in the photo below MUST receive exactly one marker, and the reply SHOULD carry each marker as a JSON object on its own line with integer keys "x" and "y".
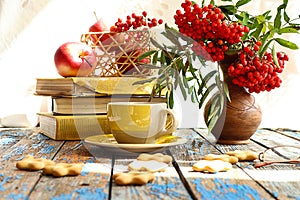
{"x": 32, "y": 30}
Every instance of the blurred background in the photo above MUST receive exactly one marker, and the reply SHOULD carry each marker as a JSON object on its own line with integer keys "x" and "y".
{"x": 32, "y": 30}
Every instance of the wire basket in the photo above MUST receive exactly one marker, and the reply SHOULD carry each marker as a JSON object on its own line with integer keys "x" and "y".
{"x": 118, "y": 53}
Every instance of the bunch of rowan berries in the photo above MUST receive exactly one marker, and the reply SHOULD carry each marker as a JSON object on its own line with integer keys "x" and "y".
{"x": 255, "y": 73}
{"x": 135, "y": 21}
{"x": 209, "y": 28}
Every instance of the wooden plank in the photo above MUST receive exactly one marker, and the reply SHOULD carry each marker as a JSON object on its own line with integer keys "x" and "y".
{"x": 278, "y": 180}
{"x": 271, "y": 138}
{"x": 92, "y": 183}
{"x": 166, "y": 185}
{"x": 264, "y": 138}
{"x": 17, "y": 184}
{"x": 283, "y": 180}
{"x": 242, "y": 182}
{"x": 288, "y": 132}
{"x": 234, "y": 184}
{"x": 9, "y": 137}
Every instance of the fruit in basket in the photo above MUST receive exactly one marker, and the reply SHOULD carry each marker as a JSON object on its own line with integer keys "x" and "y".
{"x": 108, "y": 40}
{"x": 129, "y": 64}
{"x": 99, "y": 26}
{"x": 75, "y": 59}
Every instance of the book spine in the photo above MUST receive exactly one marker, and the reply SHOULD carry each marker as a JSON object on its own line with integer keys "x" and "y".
{"x": 48, "y": 126}
{"x": 74, "y": 127}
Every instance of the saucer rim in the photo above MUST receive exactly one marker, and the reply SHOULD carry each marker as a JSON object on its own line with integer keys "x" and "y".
{"x": 129, "y": 146}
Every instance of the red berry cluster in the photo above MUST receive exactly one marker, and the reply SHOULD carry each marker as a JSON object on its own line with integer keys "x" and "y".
{"x": 135, "y": 21}
{"x": 209, "y": 28}
{"x": 255, "y": 73}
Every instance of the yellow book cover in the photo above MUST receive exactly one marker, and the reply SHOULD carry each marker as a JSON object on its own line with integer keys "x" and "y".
{"x": 72, "y": 127}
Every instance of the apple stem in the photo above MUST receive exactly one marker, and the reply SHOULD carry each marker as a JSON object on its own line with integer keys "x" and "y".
{"x": 83, "y": 58}
{"x": 96, "y": 16}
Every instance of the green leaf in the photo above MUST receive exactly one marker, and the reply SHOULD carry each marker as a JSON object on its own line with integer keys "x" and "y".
{"x": 266, "y": 14}
{"x": 260, "y": 18}
{"x": 206, "y": 93}
{"x": 174, "y": 39}
{"x": 277, "y": 20}
{"x": 258, "y": 30}
{"x": 155, "y": 43}
{"x": 239, "y": 17}
{"x": 242, "y": 2}
{"x": 274, "y": 54}
{"x": 264, "y": 48}
{"x": 245, "y": 18}
{"x": 189, "y": 78}
{"x": 170, "y": 99}
{"x": 185, "y": 82}
{"x": 228, "y": 10}
{"x": 212, "y": 123}
{"x": 182, "y": 88}
{"x": 154, "y": 59}
{"x": 162, "y": 57}
{"x": 176, "y": 78}
{"x": 213, "y": 113}
{"x": 286, "y": 17}
{"x": 174, "y": 35}
{"x": 226, "y": 91}
{"x": 214, "y": 107}
{"x": 144, "y": 81}
{"x": 186, "y": 66}
{"x": 179, "y": 64}
{"x": 195, "y": 96}
{"x": 147, "y": 54}
{"x": 205, "y": 80}
{"x": 287, "y": 30}
{"x": 190, "y": 90}
{"x": 265, "y": 38}
{"x": 286, "y": 43}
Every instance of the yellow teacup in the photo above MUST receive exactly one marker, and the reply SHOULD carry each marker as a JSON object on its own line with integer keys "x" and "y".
{"x": 140, "y": 122}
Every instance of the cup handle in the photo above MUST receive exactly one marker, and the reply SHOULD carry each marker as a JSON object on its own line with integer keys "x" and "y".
{"x": 173, "y": 125}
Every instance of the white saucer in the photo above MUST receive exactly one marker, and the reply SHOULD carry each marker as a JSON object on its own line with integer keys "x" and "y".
{"x": 108, "y": 142}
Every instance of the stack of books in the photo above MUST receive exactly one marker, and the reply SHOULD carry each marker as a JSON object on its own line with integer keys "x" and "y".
{"x": 78, "y": 105}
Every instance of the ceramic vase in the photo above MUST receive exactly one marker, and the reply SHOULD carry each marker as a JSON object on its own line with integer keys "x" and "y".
{"x": 240, "y": 117}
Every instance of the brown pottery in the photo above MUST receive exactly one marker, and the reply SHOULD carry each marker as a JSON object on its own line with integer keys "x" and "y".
{"x": 240, "y": 117}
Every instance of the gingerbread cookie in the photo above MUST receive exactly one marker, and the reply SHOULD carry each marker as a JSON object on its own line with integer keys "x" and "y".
{"x": 33, "y": 164}
{"x": 223, "y": 157}
{"x": 133, "y": 178}
{"x": 63, "y": 169}
{"x": 157, "y": 157}
{"x": 243, "y": 155}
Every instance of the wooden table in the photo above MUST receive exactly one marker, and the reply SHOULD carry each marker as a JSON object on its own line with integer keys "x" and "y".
{"x": 177, "y": 182}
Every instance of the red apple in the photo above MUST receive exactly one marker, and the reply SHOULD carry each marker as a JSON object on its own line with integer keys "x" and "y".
{"x": 109, "y": 39}
{"x": 99, "y": 26}
{"x": 75, "y": 59}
